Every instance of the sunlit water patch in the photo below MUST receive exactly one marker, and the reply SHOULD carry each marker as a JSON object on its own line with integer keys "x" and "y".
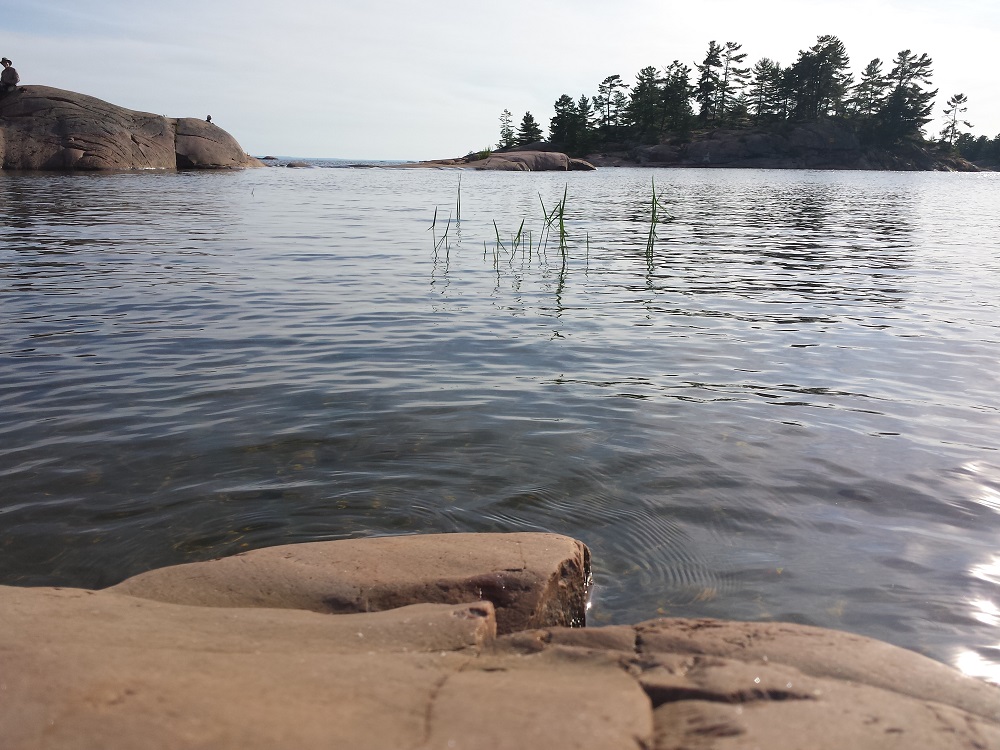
{"x": 785, "y": 408}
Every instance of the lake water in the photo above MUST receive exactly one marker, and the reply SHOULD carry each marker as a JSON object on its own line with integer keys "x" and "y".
{"x": 787, "y": 408}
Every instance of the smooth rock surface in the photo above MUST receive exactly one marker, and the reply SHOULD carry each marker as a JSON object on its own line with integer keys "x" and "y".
{"x": 45, "y": 128}
{"x": 512, "y": 161}
{"x": 719, "y": 684}
{"x": 533, "y": 580}
{"x": 240, "y": 654}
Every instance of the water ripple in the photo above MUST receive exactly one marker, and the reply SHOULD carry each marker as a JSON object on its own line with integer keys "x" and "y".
{"x": 785, "y": 409}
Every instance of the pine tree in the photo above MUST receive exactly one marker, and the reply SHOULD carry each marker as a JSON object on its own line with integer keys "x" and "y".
{"x": 529, "y": 130}
{"x": 908, "y": 106}
{"x": 708, "y": 82}
{"x": 821, "y": 80}
{"x": 952, "y": 116}
{"x": 731, "y": 79}
{"x": 585, "y": 126}
{"x": 563, "y": 126}
{"x": 765, "y": 97}
{"x": 610, "y": 95}
{"x": 675, "y": 99}
{"x": 644, "y": 105}
{"x": 619, "y": 105}
{"x": 506, "y": 130}
{"x": 869, "y": 95}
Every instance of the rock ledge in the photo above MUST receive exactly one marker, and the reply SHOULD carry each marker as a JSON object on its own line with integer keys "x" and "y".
{"x": 444, "y": 641}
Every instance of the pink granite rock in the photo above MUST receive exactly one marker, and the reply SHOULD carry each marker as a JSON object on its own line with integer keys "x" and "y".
{"x": 533, "y": 580}
{"x": 45, "y": 128}
{"x": 241, "y": 654}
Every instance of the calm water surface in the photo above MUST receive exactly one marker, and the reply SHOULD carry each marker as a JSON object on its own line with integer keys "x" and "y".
{"x": 787, "y": 409}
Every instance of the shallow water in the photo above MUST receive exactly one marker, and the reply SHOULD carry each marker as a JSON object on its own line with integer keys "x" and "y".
{"x": 787, "y": 409}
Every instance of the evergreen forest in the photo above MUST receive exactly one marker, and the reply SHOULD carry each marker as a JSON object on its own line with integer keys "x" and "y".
{"x": 886, "y": 104}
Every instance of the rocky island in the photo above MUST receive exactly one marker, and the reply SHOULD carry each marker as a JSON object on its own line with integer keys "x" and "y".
{"x": 825, "y": 144}
{"x": 445, "y": 641}
{"x": 45, "y": 128}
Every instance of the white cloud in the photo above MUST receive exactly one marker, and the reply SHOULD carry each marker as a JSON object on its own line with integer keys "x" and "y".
{"x": 388, "y": 79}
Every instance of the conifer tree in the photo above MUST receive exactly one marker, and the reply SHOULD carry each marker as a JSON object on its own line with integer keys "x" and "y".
{"x": 585, "y": 125}
{"x": 609, "y": 100}
{"x": 675, "y": 99}
{"x": 506, "y": 130}
{"x": 953, "y": 122}
{"x": 529, "y": 130}
{"x": 765, "y": 96}
{"x": 731, "y": 78}
{"x": 708, "y": 82}
{"x": 868, "y": 96}
{"x": 821, "y": 79}
{"x": 645, "y": 104}
{"x": 619, "y": 105}
{"x": 563, "y": 126}
{"x": 908, "y": 106}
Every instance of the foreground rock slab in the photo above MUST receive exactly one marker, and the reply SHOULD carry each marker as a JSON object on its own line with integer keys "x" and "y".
{"x": 717, "y": 684}
{"x": 244, "y": 653}
{"x": 45, "y": 128}
{"x": 533, "y": 580}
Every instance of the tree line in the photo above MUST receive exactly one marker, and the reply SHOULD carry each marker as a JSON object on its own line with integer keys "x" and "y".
{"x": 886, "y": 104}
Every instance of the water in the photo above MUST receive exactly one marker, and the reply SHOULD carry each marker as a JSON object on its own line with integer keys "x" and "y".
{"x": 788, "y": 409}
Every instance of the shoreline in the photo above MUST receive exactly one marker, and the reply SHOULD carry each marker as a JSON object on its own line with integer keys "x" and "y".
{"x": 446, "y": 640}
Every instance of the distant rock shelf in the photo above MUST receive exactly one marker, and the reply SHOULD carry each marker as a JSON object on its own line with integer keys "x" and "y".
{"x": 45, "y": 128}
{"x": 509, "y": 161}
{"x": 445, "y": 641}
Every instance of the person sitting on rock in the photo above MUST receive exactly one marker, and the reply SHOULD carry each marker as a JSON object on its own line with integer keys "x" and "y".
{"x": 9, "y": 78}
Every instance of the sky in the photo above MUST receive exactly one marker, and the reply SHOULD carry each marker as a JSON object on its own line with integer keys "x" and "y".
{"x": 388, "y": 79}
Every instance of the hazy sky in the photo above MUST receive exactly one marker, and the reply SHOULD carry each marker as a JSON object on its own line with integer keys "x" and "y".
{"x": 387, "y": 79}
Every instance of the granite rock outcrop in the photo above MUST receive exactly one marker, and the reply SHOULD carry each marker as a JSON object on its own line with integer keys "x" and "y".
{"x": 244, "y": 653}
{"x": 511, "y": 161}
{"x": 533, "y": 580}
{"x": 45, "y": 128}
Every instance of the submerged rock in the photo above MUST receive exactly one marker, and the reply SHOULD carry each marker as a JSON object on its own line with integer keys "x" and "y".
{"x": 242, "y": 653}
{"x": 45, "y": 128}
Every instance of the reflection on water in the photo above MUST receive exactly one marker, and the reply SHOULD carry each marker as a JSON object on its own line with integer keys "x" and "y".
{"x": 785, "y": 409}
{"x": 984, "y": 660}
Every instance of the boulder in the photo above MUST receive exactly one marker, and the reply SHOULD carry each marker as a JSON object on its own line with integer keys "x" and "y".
{"x": 202, "y": 145}
{"x": 44, "y": 128}
{"x": 533, "y": 161}
{"x": 242, "y": 653}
